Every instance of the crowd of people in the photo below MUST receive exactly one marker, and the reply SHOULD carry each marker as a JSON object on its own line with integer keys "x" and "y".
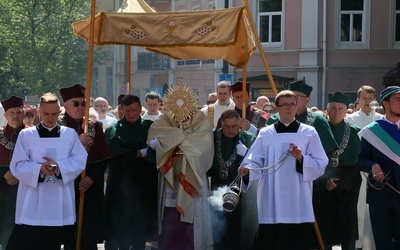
{"x": 158, "y": 175}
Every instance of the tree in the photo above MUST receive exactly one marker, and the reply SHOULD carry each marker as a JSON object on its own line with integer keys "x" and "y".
{"x": 38, "y": 50}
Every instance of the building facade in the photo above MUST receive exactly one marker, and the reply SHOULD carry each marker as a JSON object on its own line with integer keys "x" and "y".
{"x": 334, "y": 45}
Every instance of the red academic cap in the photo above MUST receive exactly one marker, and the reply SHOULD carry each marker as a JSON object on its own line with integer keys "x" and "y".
{"x": 72, "y": 92}
{"x": 13, "y": 102}
{"x": 120, "y": 98}
{"x": 238, "y": 86}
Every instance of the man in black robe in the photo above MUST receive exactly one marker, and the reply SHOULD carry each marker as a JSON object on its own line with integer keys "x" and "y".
{"x": 93, "y": 230}
{"x": 14, "y": 114}
{"x": 336, "y": 192}
{"x": 253, "y": 121}
{"x": 230, "y": 146}
{"x": 131, "y": 193}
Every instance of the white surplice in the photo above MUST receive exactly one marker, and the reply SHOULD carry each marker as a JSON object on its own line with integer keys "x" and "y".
{"x": 285, "y": 196}
{"x": 46, "y": 203}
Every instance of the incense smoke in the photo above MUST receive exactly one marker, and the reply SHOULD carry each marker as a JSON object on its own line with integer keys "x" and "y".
{"x": 216, "y": 199}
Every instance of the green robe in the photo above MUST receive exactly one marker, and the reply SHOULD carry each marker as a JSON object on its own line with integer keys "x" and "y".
{"x": 336, "y": 210}
{"x": 241, "y": 223}
{"x": 228, "y": 145}
{"x": 320, "y": 124}
{"x": 131, "y": 194}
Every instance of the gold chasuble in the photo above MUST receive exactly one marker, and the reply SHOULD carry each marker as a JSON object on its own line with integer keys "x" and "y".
{"x": 183, "y": 154}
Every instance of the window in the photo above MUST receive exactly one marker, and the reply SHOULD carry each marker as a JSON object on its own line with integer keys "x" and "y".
{"x": 270, "y": 21}
{"x": 195, "y": 62}
{"x": 351, "y": 19}
{"x": 149, "y": 61}
{"x": 354, "y": 23}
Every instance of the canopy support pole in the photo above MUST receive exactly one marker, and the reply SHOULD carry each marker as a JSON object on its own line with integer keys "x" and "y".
{"x": 245, "y": 94}
{"x": 318, "y": 234}
{"x": 86, "y": 118}
{"x": 128, "y": 68}
{"x": 260, "y": 47}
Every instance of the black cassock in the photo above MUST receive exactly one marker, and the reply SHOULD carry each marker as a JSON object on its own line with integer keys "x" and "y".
{"x": 93, "y": 229}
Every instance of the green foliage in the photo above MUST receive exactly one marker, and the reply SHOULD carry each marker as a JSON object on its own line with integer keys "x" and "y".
{"x": 38, "y": 50}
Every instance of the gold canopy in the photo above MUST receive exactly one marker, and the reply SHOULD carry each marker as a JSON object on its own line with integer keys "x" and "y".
{"x": 214, "y": 34}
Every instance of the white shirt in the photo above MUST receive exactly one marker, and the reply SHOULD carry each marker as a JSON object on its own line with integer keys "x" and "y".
{"x": 46, "y": 203}
{"x": 148, "y": 116}
{"x": 107, "y": 121}
{"x": 362, "y": 119}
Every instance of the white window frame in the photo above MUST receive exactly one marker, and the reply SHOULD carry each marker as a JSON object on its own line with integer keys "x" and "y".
{"x": 270, "y": 15}
{"x": 394, "y": 44}
{"x": 365, "y": 33}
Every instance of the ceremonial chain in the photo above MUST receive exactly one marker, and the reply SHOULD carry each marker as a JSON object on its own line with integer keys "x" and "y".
{"x": 5, "y": 142}
{"x": 309, "y": 118}
{"x": 223, "y": 173}
{"x": 334, "y": 161}
{"x": 91, "y": 128}
{"x": 256, "y": 117}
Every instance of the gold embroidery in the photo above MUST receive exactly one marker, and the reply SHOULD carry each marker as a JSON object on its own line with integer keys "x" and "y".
{"x": 206, "y": 29}
{"x": 211, "y": 114}
{"x": 135, "y": 33}
{"x": 170, "y": 25}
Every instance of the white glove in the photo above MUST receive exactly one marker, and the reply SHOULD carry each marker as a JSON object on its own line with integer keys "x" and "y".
{"x": 241, "y": 149}
{"x": 143, "y": 151}
{"x": 153, "y": 143}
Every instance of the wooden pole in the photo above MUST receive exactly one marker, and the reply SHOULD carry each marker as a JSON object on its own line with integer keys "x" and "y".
{"x": 244, "y": 92}
{"x": 318, "y": 233}
{"x": 260, "y": 48}
{"x": 128, "y": 68}
{"x": 87, "y": 95}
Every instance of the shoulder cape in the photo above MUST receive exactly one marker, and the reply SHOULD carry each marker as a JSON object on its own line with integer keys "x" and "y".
{"x": 385, "y": 137}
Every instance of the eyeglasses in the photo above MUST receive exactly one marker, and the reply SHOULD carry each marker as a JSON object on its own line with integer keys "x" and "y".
{"x": 288, "y": 105}
{"x": 211, "y": 102}
{"x": 271, "y": 111}
{"x": 76, "y": 103}
{"x": 301, "y": 96}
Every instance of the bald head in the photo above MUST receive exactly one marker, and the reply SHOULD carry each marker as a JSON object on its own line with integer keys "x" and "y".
{"x": 261, "y": 101}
